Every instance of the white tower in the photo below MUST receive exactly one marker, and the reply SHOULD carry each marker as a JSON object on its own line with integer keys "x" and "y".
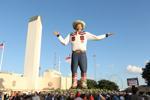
{"x": 32, "y": 54}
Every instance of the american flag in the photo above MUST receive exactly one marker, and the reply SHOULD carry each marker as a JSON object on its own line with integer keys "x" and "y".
{"x": 68, "y": 59}
{"x": 1, "y": 45}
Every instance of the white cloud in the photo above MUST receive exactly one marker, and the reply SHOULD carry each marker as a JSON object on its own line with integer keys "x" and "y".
{"x": 134, "y": 69}
{"x": 147, "y": 61}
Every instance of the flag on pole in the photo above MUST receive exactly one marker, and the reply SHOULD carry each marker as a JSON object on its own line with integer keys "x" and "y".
{"x": 68, "y": 59}
{"x": 2, "y": 53}
{"x": 1, "y": 45}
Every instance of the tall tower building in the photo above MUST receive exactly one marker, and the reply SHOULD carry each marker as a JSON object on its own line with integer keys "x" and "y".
{"x": 32, "y": 53}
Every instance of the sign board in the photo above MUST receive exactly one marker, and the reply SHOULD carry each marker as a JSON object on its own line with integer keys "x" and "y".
{"x": 132, "y": 81}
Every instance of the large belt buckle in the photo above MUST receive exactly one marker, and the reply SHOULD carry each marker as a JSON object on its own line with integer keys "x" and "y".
{"x": 79, "y": 51}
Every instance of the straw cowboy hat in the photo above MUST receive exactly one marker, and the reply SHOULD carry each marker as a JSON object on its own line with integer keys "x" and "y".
{"x": 78, "y": 22}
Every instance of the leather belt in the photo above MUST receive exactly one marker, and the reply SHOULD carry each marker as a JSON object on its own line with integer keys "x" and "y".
{"x": 79, "y": 51}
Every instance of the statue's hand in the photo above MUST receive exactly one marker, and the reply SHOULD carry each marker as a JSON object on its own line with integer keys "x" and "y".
{"x": 110, "y": 33}
{"x": 56, "y": 33}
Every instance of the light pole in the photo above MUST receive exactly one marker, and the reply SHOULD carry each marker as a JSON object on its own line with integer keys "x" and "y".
{"x": 94, "y": 61}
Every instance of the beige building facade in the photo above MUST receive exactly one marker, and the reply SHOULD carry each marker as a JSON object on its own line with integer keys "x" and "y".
{"x": 51, "y": 79}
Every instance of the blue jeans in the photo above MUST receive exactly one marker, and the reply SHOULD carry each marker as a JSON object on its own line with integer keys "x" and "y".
{"x": 79, "y": 59}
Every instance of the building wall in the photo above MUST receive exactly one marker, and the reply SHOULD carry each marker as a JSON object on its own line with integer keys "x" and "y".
{"x": 50, "y": 80}
{"x": 65, "y": 82}
{"x": 12, "y": 81}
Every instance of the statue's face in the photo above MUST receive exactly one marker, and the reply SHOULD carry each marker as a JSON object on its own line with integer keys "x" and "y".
{"x": 79, "y": 27}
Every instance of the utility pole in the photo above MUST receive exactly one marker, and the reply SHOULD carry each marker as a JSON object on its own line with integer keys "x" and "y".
{"x": 95, "y": 66}
{"x": 55, "y": 58}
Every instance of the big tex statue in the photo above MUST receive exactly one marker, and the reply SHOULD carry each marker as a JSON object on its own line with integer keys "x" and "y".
{"x": 78, "y": 40}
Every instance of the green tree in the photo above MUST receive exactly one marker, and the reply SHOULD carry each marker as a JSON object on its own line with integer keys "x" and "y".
{"x": 92, "y": 84}
{"x": 146, "y": 73}
{"x": 106, "y": 84}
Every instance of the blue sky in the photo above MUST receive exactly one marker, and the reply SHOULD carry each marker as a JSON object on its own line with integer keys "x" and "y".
{"x": 128, "y": 19}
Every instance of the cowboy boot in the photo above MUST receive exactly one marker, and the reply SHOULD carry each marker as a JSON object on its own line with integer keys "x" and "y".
{"x": 74, "y": 81}
{"x": 83, "y": 81}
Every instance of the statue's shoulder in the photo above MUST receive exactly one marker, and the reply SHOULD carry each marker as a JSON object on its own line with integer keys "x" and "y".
{"x": 72, "y": 33}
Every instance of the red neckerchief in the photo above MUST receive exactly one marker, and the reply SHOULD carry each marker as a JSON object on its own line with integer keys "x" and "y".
{"x": 80, "y": 33}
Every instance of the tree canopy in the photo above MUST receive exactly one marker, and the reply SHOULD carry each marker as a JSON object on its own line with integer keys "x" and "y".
{"x": 101, "y": 84}
{"x": 146, "y": 73}
{"x": 106, "y": 84}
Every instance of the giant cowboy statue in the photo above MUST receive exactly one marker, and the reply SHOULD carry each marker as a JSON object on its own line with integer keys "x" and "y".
{"x": 78, "y": 40}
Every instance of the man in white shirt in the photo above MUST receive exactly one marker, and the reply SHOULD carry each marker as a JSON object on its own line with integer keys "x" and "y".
{"x": 78, "y": 40}
{"x": 36, "y": 96}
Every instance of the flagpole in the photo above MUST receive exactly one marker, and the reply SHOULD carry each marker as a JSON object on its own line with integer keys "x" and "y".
{"x": 59, "y": 65}
{"x": 2, "y": 54}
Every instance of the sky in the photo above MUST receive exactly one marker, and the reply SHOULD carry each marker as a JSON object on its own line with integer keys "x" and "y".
{"x": 115, "y": 56}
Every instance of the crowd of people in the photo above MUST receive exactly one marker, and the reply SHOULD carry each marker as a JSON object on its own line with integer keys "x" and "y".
{"x": 78, "y": 95}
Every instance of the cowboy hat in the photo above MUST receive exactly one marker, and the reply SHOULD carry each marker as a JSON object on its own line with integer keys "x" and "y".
{"x": 78, "y": 22}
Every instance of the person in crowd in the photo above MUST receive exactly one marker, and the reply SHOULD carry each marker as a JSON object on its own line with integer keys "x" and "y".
{"x": 78, "y": 96}
{"x": 35, "y": 96}
{"x": 134, "y": 95}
